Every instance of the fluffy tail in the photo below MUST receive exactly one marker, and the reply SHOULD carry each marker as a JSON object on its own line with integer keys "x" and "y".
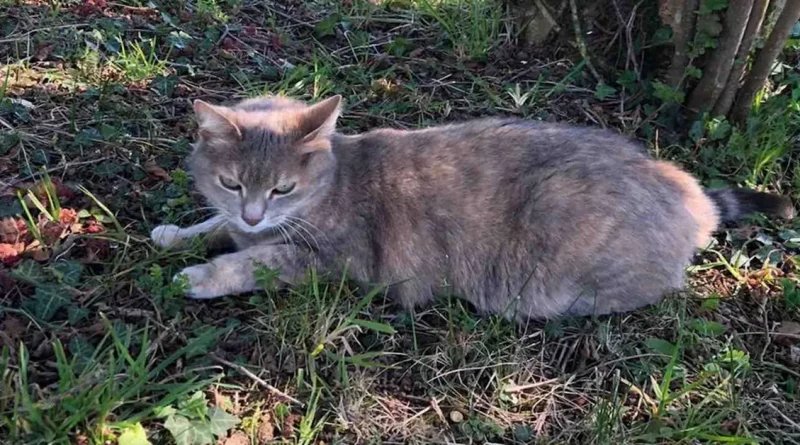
{"x": 733, "y": 204}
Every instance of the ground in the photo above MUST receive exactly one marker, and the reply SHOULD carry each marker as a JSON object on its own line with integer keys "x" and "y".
{"x": 99, "y": 345}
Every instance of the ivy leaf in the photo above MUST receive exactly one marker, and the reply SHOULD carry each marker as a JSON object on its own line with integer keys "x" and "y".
{"x": 708, "y": 6}
{"x": 604, "y": 91}
{"x": 68, "y": 272}
{"x": 660, "y": 346}
{"x": 326, "y": 26}
{"x": 706, "y": 327}
{"x": 202, "y": 343}
{"x": 666, "y": 93}
{"x": 46, "y": 301}
{"x": 133, "y": 435}
{"x": 195, "y": 407}
{"x": 221, "y": 422}
{"x": 181, "y": 430}
{"x": 81, "y": 351}
{"x": 186, "y": 432}
{"x": 29, "y": 271}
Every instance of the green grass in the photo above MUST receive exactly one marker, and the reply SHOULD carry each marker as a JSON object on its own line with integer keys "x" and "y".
{"x": 98, "y": 345}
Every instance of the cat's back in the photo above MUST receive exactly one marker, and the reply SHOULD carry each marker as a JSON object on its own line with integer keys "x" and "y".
{"x": 496, "y": 139}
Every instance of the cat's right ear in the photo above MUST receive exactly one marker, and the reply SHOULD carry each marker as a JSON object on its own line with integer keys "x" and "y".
{"x": 213, "y": 124}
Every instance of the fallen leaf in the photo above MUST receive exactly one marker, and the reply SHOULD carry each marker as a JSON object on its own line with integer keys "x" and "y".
{"x": 266, "y": 430}
{"x": 152, "y": 169}
{"x": 9, "y": 232}
{"x": 93, "y": 226}
{"x": 68, "y": 217}
{"x": 14, "y": 327}
{"x": 9, "y": 254}
{"x": 52, "y": 232}
{"x": 237, "y": 438}
{"x": 43, "y": 53}
{"x": 41, "y": 254}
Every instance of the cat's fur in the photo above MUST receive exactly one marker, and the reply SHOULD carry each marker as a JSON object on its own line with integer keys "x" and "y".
{"x": 526, "y": 219}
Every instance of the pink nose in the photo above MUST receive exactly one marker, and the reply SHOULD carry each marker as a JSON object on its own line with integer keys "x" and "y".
{"x": 252, "y": 220}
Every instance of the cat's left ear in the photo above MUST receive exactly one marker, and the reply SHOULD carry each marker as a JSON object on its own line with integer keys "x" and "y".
{"x": 319, "y": 120}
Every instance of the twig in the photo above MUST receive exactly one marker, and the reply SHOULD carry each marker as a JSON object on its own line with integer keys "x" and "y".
{"x": 520, "y": 388}
{"x": 784, "y": 416}
{"x": 256, "y": 379}
{"x": 33, "y": 31}
{"x": 54, "y": 169}
{"x": 576, "y": 24}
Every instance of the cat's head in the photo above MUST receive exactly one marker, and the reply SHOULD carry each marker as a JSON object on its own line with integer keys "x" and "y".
{"x": 265, "y": 160}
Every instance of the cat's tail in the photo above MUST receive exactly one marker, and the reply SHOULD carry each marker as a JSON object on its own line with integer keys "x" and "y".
{"x": 735, "y": 203}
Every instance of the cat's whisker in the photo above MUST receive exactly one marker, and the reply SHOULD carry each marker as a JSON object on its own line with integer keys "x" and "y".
{"x": 285, "y": 236}
{"x": 300, "y": 222}
{"x": 292, "y": 226}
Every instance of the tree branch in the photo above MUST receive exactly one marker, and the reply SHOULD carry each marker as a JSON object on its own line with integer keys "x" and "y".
{"x": 718, "y": 68}
{"x": 681, "y": 19}
{"x": 764, "y": 60}
{"x": 723, "y": 105}
{"x": 581, "y": 42}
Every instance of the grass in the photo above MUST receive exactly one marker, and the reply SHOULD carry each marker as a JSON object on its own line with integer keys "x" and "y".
{"x": 98, "y": 345}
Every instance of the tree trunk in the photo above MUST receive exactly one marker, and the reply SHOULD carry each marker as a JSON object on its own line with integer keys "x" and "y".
{"x": 681, "y": 16}
{"x": 765, "y": 59}
{"x": 723, "y": 105}
{"x": 718, "y": 69}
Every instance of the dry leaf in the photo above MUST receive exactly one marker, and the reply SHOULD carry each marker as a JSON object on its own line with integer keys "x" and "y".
{"x": 152, "y": 169}
{"x": 789, "y": 327}
{"x": 237, "y": 438}
{"x": 266, "y": 430}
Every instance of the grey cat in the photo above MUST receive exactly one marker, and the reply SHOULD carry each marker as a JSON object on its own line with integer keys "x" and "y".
{"x": 524, "y": 219}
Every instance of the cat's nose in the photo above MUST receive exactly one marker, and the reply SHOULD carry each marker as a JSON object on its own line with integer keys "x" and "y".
{"x": 251, "y": 220}
{"x": 253, "y": 213}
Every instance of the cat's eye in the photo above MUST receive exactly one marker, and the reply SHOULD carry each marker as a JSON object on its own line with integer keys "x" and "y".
{"x": 283, "y": 189}
{"x": 230, "y": 184}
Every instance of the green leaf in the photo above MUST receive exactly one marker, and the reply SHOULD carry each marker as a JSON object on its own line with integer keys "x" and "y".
{"x": 374, "y": 326}
{"x": 666, "y": 93}
{"x": 29, "y": 271}
{"x": 603, "y": 91}
{"x": 718, "y": 128}
{"x": 791, "y": 296}
{"x": 164, "y": 411}
{"x": 326, "y": 26}
{"x": 133, "y": 435}
{"x": 46, "y": 301}
{"x": 693, "y": 71}
{"x": 195, "y": 407}
{"x": 202, "y": 343}
{"x": 81, "y": 350}
{"x": 712, "y": 5}
{"x": 68, "y": 272}
{"x": 710, "y": 305}
{"x": 181, "y": 430}
{"x": 706, "y": 327}
{"x": 660, "y": 346}
{"x": 76, "y": 314}
{"x": 221, "y": 422}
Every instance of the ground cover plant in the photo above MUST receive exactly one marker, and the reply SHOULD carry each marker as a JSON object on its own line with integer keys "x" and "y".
{"x": 98, "y": 345}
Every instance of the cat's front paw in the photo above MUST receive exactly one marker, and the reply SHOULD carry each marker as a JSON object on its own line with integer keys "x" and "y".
{"x": 201, "y": 281}
{"x": 166, "y": 235}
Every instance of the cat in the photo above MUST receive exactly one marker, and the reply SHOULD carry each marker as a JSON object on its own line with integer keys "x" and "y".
{"x": 523, "y": 219}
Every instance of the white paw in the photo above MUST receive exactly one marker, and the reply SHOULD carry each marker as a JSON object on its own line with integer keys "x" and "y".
{"x": 165, "y": 236}
{"x": 202, "y": 284}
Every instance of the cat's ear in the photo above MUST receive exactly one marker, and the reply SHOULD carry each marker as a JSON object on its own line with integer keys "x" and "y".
{"x": 319, "y": 120}
{"x": 213, "y": 123}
